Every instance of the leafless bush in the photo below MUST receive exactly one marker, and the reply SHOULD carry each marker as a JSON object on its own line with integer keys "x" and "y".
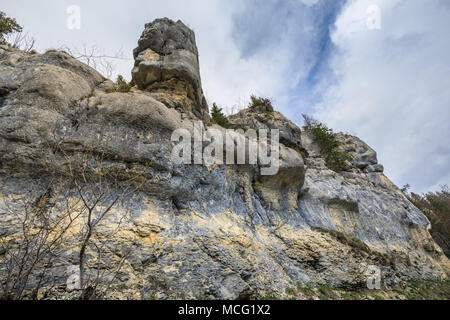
{"x": 28, "y": 253}
{"x": 73, "y": 208}
{"x": 21, "y": 40}
{"x": 238, "y": 106}
{"x": 309, "y": 122}
{"x": 95, "y": 58}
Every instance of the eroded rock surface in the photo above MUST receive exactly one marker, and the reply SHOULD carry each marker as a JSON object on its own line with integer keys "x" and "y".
{"x": 193, "y": 231}
{"x": 262, "y": 117}
{"x": 167, "y": 65}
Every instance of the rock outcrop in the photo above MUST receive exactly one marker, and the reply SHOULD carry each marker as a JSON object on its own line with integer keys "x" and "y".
{"x": 264, "y": 117}
{"x": 167, "y": 65}
{"x": 189, "y": 231}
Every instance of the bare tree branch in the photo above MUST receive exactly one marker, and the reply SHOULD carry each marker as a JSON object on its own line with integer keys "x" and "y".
{"x": 95, "y": 58}
{"x": 21, "y": 40}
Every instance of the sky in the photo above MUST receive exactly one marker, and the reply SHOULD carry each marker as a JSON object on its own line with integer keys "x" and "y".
{"x": 377, "y": 69}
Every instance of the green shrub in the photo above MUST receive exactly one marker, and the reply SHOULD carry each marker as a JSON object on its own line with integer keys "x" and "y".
{"x": 290, "y": 290}
{"x": 257, "y": 185}
{"x": 123, "y": 86}
{"x": 337, "y": 161}
{"x": 218, "y": 117}
{"x": 436, "y": 206}
{"x": 325, "y": 138}
{"x": 261, "y": 103}
{"x": 7, "y": 25}
{"x": 328, "y": 143}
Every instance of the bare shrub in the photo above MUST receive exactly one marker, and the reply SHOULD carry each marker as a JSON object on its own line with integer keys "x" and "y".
{"x": 436, "y": 206}
{"x": 74, "y": 213}
{"x": 95, "y": 58}
{"x": 21, "y": 40}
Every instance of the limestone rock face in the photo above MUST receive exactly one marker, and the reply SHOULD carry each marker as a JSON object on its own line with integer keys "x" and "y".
{"x": 189, "y": 231}
{"x": 167, "y": 65}
{"x": 263, "y": 118}
{"x": 364, "y": 157}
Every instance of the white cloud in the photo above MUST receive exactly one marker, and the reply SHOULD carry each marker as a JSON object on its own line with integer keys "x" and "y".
{"x": 228, "y": 77}
{"x": 390, "y": 86}
{"x": 393, "y": 85}
{"x": 309, "y": 3}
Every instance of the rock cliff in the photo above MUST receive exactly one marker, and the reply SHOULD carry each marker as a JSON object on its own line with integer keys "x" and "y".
{"x": 167, "y": 65}
{"x": 186, "y": 231}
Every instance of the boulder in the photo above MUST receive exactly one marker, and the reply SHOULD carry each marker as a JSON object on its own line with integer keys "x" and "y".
{"x": 264, "y": 117}
{"x": 167, "y": 66}
{"x": 364, "y": 157}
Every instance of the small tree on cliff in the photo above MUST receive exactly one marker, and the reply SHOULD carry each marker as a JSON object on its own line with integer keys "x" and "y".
{"x": 123, "y": 85}
{"x": 328, "y": 143}
{"x": 218, "y": 116}
{"x": 436, "y": 206}
{"x": 7, "y": 25}
{"x": 11, "y": 32}
{"x": 261, "y": 103}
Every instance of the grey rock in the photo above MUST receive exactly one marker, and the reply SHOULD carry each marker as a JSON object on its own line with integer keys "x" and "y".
{"x": 375, "y": 168}
{"x": 363, "y": 155}
{"x": 73, "y": 278}
{"x": 263, "y": 118}
{"x": 165, "y": 36}
{"x": 191, "y": 231}
{"x": 167, "y": 65}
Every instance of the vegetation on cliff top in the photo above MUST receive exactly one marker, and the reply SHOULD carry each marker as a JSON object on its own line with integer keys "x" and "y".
{"x": 436, "y": 206}
{"x": 218, "y": 117}
{"x": 7, "y": 26}
{"x": 123, "y": 85}
{"x": 261, "y": 103}
{"x": 328, "y": 143}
